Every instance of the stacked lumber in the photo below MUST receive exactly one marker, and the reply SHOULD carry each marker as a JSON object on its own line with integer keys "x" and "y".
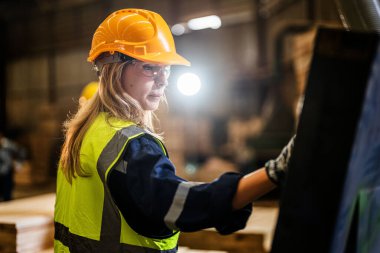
{"x": 26, "y": 225}
{"x": 255, "y": 238}
{"x": 25, "y": 233}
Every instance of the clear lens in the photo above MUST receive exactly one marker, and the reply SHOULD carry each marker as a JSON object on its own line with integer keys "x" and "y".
{"x": 152, "y": 70}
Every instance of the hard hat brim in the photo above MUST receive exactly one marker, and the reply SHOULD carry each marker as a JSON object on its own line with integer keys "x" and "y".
{"x": 163, "y": 58}
{"x": 157, "y": 58}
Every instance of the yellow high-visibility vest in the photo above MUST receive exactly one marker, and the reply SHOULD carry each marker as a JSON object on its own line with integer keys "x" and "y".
{"x": 86, "y": 217}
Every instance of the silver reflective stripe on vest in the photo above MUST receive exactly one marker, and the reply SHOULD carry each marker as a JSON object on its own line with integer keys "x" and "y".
{"x": 111, "y": 221}
{"x": 178, "y": 203}
{"x": 79, "y": 244}
{"x": 112, "y": 149}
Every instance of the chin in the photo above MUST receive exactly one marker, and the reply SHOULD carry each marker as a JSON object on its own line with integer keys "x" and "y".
{"x": 151, "y": 107}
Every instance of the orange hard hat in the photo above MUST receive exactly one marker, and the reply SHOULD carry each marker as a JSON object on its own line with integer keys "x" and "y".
{"x": 137, "y": 33}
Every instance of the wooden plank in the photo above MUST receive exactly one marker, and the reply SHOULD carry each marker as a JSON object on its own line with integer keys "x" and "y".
{"x": 211, "y": 240}
{"x": 41, "y": 204}
{"x": 255, "y": 238}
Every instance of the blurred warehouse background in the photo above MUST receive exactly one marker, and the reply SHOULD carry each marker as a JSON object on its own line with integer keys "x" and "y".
{"x": 252, "y": 67}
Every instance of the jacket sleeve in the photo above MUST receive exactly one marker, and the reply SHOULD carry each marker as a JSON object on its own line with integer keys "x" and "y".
{"x": 155, "y": 201}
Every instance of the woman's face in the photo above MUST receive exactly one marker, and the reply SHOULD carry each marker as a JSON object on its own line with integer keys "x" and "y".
{"x": 146, "y": 82}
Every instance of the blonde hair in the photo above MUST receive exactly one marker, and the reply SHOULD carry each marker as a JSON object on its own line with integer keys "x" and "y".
{"x": 111, "y": 99}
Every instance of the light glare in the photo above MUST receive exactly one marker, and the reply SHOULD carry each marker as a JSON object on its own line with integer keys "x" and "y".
{"x": 189, "y": 84}
{"x": 178, "y": 29}
{"x": 212, "y": 21}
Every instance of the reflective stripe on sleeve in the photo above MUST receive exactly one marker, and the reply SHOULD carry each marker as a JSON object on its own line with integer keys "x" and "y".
{"x": 178, "y": 204}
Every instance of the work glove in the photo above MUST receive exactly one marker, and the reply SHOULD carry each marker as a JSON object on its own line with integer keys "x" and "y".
{"x": 277, "y": 168}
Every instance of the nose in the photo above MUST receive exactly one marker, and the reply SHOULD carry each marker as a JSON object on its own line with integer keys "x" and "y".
{"x": 161, "y": 79}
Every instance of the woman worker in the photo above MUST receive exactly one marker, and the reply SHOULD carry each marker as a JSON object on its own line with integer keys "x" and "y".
{"x": 117, "y": 190}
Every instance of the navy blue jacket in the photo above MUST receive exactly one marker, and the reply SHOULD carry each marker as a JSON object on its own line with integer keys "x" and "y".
{"x": 154, "y": 200}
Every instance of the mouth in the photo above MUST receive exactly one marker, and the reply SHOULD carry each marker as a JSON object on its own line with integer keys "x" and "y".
{"x": 156, "y": 95}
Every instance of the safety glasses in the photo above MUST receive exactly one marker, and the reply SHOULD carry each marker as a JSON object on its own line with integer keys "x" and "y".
{"x": 151, "y": 70}
{"x": 144, "y": 68}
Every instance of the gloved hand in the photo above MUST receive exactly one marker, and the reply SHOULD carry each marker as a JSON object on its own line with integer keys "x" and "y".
{"x": 277, "y": 168}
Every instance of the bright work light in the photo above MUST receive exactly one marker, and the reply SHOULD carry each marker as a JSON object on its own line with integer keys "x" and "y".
{"x": 189, "y": 84}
